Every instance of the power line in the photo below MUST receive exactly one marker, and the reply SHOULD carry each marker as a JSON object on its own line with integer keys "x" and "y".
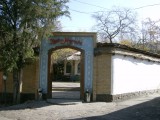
{"x": 90, "y": 4}
{"x": 80, "y": 11}
{"x": 88, "y": 13}
{"x": 147, "y": 6}
{"x": 151, "y": 5}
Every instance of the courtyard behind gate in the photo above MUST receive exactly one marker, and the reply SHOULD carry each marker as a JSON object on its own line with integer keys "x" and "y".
{"x": 66, "y": 90}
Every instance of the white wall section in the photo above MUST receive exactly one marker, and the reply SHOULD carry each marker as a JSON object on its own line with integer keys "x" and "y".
{"x": 131, "y": 74}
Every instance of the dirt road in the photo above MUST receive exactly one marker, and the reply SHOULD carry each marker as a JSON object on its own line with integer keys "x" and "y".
{"x": 143, "y": 108}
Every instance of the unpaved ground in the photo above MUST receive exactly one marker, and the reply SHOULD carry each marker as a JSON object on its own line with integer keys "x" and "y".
{"x": 143, "y": 108}
{"x": 60, "y": 90}
{"x": 65, "y": 84}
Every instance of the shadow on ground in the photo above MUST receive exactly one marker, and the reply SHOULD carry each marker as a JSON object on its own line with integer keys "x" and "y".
{"x": 145, "y": 111}
{"x": 28, "y": 104}
{"x": 40, "y": 104}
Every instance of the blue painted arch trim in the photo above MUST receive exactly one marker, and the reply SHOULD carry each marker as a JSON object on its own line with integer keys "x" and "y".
{"x": 87, "y": 45}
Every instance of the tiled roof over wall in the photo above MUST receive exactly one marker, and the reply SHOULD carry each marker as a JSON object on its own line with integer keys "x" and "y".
{"x": 125, "y": 48}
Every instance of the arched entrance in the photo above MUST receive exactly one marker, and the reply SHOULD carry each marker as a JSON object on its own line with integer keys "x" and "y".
{"x": 50, "y": 69}
{"x": 84, "y": 42}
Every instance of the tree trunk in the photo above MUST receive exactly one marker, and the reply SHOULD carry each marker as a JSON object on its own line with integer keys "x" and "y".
{"x": 110, "y": 39}
{"x": 20, "y": 86}
{"x": 17, "y": 85}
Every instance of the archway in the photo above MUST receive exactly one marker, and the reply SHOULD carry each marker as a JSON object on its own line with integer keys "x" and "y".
{"x": 50, "y": 87}
{"x": 85, "y": 42}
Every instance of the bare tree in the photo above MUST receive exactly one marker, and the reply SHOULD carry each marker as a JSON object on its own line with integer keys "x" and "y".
{"x": 150, "y": 34}
{"x": 115, "y": 22}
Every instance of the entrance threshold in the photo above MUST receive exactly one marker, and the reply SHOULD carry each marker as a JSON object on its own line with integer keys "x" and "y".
{"x": 57, "y": 101}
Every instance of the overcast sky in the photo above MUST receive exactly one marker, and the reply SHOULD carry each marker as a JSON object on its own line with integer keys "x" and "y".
{"x": 81, "y": 12}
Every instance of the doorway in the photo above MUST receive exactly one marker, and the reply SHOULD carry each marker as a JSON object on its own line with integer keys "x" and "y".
{"x": 66, "y": 73}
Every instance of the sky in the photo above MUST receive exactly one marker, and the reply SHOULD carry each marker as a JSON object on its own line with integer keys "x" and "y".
{"x": 81, "y": 12}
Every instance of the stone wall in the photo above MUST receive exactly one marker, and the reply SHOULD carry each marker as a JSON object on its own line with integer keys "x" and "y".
{"x": 30, "y": 77}
{"x": 102, "y": 76}
{"x": 9, "y": 83}
{"x": 30, "y": 82}
{"x": 125, "y": 96}
{"x": 132, "y": 72}
{"x": 117, "y": 75}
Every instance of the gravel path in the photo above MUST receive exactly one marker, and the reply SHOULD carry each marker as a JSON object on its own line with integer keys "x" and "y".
{"x": 143, "y": 108}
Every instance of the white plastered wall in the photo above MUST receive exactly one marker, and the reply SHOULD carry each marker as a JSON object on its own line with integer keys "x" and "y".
{"x": 131, "y": 74}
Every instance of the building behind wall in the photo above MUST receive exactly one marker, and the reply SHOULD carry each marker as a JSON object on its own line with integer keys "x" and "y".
{"x": 72, "y": 66}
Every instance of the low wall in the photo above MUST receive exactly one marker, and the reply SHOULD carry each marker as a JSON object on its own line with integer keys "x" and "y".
{"x": 30, "y": 83}
{"x": 133, "y": 72}
{"x": 102, "y": 76}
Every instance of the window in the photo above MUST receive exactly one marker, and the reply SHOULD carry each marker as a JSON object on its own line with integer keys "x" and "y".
{"x": 68, "y": 67}
{"x": 79, "y": 68}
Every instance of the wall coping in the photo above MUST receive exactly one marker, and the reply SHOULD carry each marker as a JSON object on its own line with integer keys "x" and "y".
{"x": 115, "y": 48}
